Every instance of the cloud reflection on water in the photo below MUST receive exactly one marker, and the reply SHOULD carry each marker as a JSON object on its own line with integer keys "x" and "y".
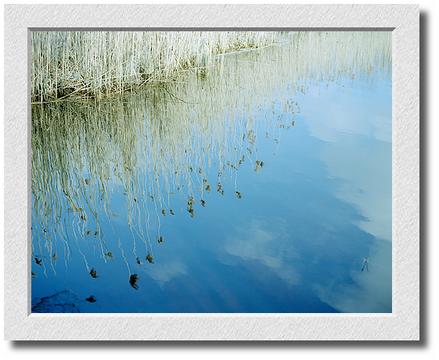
{"x": 254, "y": 242}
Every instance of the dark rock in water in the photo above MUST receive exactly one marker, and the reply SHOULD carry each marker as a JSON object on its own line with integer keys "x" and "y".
{"x": 62, "y": 302}
{"x": 91, "y": 299}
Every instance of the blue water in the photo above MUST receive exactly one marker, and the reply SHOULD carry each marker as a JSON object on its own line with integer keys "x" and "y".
{"x": 294, "y": 242}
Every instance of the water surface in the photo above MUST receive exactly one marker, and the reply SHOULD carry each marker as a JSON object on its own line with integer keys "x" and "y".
{"x": 258, "y": 185}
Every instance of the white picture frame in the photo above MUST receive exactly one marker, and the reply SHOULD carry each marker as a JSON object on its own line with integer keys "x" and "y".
{"x": 402, "y": 324}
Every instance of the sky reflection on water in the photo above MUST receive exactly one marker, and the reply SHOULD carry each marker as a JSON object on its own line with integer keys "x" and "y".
{"x": 288, "y": 236}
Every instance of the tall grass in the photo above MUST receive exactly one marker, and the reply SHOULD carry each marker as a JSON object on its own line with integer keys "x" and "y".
{"x": 94, "y": 64}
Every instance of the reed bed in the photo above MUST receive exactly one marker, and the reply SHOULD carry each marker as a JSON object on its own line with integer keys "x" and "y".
{"x": 94, "y": 64}
{"x": 162, "y": 144}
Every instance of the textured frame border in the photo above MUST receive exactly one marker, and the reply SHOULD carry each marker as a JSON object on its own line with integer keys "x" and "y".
{"x": 402, "y": 324}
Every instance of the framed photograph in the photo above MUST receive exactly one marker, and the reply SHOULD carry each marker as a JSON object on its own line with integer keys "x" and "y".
{"x": 216, "y": 172}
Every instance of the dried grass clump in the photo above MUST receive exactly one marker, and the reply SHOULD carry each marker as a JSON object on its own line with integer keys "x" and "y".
{"x": 95, "y": 64}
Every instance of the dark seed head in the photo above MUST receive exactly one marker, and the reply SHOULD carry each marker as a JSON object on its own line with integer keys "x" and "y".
{"x": 91, "y": 299}
{"x": 133, "y": 281}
